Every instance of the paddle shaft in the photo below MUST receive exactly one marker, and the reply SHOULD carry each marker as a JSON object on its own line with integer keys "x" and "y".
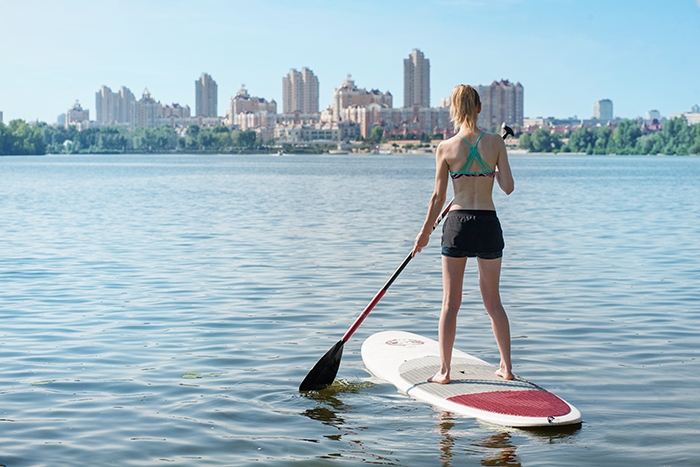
{"x": 391, "y": 280}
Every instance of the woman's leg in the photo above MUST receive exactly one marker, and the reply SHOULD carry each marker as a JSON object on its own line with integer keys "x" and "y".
{"x": 452, "y": 279}
{"x": 489, "y": 277}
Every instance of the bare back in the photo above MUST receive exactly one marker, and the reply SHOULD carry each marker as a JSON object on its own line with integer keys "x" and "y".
{"x": 474, "y": 192}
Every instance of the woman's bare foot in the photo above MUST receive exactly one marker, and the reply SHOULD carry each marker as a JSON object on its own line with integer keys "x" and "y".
{"x": 440, "y": 377}
{"x": 505, "y": 373}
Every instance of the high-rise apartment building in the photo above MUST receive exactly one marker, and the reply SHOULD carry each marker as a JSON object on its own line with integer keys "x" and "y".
{"x": 0, "y": 116}
{"x": 113, "y": 108}
{"x": 603, "y": 110}
{"x": 501, "y": 102}
{"x": 300, "y": 92}
{"x": 125, "y": 101}
{"x": 416, "y": 80}
{"x": 349, "y": 95}
{"x": 105, "y": 106}
{"x": 206, "y": 93}
{"x": 146, "y": 112}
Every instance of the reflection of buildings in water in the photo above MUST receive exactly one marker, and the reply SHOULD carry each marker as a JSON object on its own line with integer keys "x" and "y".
{"x": 501, "y": 452}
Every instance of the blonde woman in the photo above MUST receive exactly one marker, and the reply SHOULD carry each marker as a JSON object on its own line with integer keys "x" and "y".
{"x": 473, "y": 159}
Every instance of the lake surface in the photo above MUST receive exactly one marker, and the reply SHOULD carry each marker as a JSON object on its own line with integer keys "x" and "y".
{"x": 162, "y": 310}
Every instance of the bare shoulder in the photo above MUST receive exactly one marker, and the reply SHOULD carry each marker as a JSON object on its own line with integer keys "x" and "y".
{"x": 492, "y": 139}
{"x": 448, "y": 147}
{"x": 449, "y": 143}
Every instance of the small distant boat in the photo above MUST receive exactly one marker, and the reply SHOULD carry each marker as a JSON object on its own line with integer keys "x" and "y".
{"x": 280, "y": 153}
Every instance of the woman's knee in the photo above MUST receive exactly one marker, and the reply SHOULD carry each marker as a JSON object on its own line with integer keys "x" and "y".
{"x": 493, "y": 305}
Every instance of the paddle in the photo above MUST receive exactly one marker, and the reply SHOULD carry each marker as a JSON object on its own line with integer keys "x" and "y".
{"x": 323, "y": 373}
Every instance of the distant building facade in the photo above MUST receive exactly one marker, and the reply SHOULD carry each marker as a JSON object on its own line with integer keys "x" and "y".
{"x": 113, "y": 108}
{"x": 652, "y": 115}
{"x": 603, "y": 110}
{"x": 0, "y": 116}
{"x": 206, "y": 95}
{"x": 501, "y": 102}
{"x": 146, "y": 112}
{"x": 316, "y": 133}
{"x": 251, "y": 112}
{"x": 77, "y": 116}
{"x": 105, "y": 107}
{"x": 416, "y": 80}
{"x": 349, "y": 95}
{"x": 413, "y": 120}
{"x": 300, "y": 92}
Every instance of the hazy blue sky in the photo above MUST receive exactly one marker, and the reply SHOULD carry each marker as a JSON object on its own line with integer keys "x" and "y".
{"x": 642, "y": 54}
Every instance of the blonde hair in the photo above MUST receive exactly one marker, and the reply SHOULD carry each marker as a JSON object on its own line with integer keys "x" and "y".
{"x": 464, "y": 108}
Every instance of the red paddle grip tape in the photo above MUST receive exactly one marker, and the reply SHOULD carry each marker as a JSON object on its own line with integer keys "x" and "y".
{"x": 364, "y": 314}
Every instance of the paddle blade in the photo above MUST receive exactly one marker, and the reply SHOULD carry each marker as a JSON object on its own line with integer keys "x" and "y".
{"x": 323, "y": 374}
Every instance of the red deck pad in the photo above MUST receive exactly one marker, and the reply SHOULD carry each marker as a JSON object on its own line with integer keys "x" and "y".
{"x": 519, "y": 403}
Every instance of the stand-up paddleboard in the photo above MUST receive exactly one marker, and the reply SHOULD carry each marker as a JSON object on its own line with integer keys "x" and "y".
{"x": 407, "y": 360}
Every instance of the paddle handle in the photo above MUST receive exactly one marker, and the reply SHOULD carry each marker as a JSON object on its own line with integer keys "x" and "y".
{"x": 391, "y": 280}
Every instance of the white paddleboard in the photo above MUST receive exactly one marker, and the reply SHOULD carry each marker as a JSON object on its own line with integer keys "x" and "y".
{"x": 407, "y": 360}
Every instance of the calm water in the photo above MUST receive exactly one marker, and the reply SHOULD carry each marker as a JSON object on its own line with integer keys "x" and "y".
{"x": 162, "y": 310}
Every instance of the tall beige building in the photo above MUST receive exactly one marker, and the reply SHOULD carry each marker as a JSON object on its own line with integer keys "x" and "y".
{"x": 300, "y": 92}
{"x": 125, "y": 101}
{"x": 105, "y": 106}
{"x": 501, "y": 102}
{"x": 146, "y": 112}
{"x": 206, "y": 93}
{"x": 113, "y": 107}
{"x": 416, "y": 80}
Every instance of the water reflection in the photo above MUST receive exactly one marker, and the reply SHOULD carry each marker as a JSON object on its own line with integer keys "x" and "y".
{"x": 498, "y": 447}
{"x": 327, "y": 412}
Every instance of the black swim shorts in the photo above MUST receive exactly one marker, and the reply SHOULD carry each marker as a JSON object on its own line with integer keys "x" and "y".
{"x": 472, "y": 233}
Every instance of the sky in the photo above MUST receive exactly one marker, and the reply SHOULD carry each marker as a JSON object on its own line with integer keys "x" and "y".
{"x": 567, "y": 54}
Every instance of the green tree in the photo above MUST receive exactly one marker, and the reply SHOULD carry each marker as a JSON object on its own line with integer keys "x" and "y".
{"x": 625, "y": 137}
{"x": 602, "y": 140}
{"x": 582, "y": 140}
{"x": 377, "y": 134}
{"x": 645, "y": 144}
{"x": 20, "y": 139}
{"x": 525, "y": 142}
{"x": 246, "y": 139}
{"x": 542, "y": 140}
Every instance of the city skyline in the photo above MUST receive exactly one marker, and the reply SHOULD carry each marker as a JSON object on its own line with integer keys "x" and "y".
{"x": 567, "y": 54}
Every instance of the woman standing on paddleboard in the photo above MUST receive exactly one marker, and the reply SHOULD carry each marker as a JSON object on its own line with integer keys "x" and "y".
{"x": 472, "y": 159}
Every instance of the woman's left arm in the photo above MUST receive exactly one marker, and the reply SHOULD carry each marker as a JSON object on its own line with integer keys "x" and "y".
{"x": 437, "y": 200}
{"x": 504, "y": 176}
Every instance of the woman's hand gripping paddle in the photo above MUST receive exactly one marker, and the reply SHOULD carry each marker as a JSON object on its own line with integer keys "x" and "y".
{"x": 323, "y": 373}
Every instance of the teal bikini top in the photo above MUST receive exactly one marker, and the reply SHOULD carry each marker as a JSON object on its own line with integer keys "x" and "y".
{"x": 474, "y": 156}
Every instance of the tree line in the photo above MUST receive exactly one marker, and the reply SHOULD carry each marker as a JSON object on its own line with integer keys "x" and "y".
{"x": 19, "y": 138}
{"x": 676, "y": 138}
